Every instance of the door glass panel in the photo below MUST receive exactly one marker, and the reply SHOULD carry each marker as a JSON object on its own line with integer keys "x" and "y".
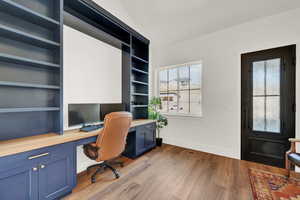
{"x": 273, "y": 114}
{"x": 273, "y": 77}
{"x": 259, "y": 78}
{"x": 266, "y": 95}
{"x": 259, "y": 113}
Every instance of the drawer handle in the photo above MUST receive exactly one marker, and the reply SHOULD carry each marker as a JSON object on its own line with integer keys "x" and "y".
{"x": 37, "y": 156}
{"x": 42, "y": 166}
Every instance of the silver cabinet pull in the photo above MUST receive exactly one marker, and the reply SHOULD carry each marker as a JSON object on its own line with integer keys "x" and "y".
{"x": 37, "y": 156}
{"x": 34, "y": 169}
{"x": 42, "y": 166}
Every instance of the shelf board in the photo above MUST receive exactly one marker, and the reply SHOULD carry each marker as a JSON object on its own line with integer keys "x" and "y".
{"x": 26, "y": 61}
{"x": 140, "y": 71}
{"x": 139, "y": 94}
{"x": 18, "y": 10}
{"x": 139, "y": 82}
{"x": 35, "y": 109}
{"x": 140, "y": 59}
{"x": 139, "y": 106}
{"x": 28, "y": 38}
{"x": 28, "y": 85}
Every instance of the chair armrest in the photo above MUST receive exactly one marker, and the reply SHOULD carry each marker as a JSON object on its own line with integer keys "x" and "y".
{"x": 293, "y": 145}
{"x": 294, "y": 140}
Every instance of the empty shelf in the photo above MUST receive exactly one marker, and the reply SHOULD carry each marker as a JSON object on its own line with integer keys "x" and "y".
{"x": 139, "y": 94}
{"x": 26, "y": 61}
{"x": 138, "y": 70}
{"x": 28, "y": 85}
{"x": 139, "y": 82}
{"x": 28, "y": 38}
{"x": 139, "y": 106}
{"x": 140, "y": 59}
{"x": 36, "y": 109}
{"x": 18, "y": 10}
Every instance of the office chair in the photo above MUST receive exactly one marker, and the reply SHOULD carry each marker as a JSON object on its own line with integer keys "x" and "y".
{"x": 110, "y": 143}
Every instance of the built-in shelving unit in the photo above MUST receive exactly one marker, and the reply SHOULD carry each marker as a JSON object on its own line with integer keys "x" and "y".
{"x": 30, "y": 67}
{"x": 134, "y": 46}
{"x": 21, "y": 11}
{"x": 139, "y": 78}
{"x": 19, "y": 110}
{"x": 27, "y": 62}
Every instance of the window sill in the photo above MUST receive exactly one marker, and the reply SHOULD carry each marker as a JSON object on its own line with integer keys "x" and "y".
{"x": 182, "y": 115}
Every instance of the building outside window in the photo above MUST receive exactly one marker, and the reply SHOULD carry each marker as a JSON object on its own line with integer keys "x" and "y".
{"x": 180, "y": 89}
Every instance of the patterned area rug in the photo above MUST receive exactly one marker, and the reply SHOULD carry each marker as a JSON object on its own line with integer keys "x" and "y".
{"x": 269, "y": 186}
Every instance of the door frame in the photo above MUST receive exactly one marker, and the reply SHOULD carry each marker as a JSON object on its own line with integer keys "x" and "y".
{"x": 244, "y": 95}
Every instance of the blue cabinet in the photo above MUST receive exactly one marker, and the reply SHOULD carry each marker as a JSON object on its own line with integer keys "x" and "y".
{"x": 43, "y": 174}
{"x": 140, "y": 140}
{"x": 19, "y": 183}
{"x": 56, "y": 175}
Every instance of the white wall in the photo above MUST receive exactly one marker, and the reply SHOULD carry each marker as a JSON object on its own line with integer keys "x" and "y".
{"x": 78, "y": 77}
{"x": 218, "y": 131}
{"x": 92, "y": 71}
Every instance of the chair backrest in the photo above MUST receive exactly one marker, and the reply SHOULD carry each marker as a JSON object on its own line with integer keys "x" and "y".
{"x": 112, "y": 139}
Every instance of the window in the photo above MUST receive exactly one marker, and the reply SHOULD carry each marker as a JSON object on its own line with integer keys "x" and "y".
{"x": 180, "y": 89}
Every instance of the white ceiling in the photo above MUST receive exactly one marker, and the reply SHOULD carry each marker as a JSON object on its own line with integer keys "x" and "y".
{"x": 168, "y": 21}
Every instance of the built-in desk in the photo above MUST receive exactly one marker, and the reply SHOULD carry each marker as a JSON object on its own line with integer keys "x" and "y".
{"x": 44, "y": 166}
{"x": 20, "y": 145}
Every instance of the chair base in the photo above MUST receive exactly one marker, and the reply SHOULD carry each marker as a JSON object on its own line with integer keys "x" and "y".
{"x": 102, "y": 166}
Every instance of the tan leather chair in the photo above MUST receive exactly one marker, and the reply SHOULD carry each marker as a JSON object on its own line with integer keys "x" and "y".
{"x": 110, "y": 143}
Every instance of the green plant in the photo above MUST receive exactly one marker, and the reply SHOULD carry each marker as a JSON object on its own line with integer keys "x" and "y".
{"x": 154, "y": 113}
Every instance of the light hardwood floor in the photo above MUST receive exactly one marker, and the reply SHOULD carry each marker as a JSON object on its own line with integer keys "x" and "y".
{"x": 173, "y": 173}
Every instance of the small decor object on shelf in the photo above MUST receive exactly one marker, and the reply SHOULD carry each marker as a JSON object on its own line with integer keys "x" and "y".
{"x": 161, "y": 121}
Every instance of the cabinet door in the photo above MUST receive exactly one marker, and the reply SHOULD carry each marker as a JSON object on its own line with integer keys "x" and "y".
{"x": 150, "y": 136}
{"x": 140, "y": 140}
{"x": 19, "y": 183}
{"x": 56, "y": 175}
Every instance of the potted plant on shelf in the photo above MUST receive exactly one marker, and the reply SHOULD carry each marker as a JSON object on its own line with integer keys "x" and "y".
{"x": 154, "y": 113}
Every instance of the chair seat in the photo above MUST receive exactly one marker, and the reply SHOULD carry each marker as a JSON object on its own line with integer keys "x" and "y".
{"x": 294, "y": 158}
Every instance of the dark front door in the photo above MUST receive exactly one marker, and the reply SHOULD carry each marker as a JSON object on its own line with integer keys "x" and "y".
{"x": 268, "y": 104}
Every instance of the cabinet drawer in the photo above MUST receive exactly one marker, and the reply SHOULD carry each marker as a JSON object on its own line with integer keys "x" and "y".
{"x": 149, "y": 126}
{"x": 32, "y": 157}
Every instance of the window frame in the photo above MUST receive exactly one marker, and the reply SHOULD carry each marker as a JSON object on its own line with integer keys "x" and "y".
{"x": 200, "y": 115}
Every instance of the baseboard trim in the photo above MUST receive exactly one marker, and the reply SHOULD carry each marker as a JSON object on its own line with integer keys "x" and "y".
{"x": 226, "y": 152}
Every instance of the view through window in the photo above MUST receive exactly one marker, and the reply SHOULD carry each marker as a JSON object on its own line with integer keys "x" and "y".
{"x": 180, "y": 89}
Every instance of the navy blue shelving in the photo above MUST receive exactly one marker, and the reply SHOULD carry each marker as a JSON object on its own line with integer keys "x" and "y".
{"x": 139, "y": 59}
{"x": 139, "y": 71}
{"x": 15, "y": 34}
{"x": 27, "y": 61}
{"x": 18, "y": 10}
{"x": 32, "y": 89}
{"x": 139, "y": 78}
{"x": 139, "y": 106}
{"x": 28, "y": 85}
{"x": 20, "y": 110}
{"x": 139, "y": 82}
{"x": 140, "y": 94}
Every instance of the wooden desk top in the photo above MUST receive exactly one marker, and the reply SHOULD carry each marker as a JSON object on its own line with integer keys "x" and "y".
{"x": 10, "y": 147}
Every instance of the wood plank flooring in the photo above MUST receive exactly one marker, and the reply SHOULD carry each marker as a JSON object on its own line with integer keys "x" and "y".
{"x": 173, "y": 173}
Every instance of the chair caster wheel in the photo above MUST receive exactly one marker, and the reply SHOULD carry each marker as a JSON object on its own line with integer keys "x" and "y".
{"x": 117, "y": 176}
{"x": 93, "y": 180}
